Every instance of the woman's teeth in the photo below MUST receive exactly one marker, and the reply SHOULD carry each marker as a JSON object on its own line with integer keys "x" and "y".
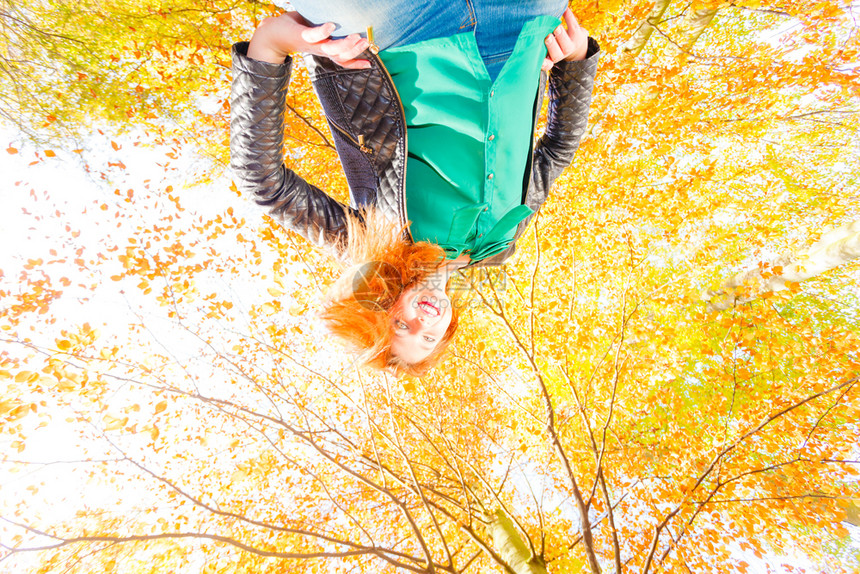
{"x": 429, "y": 308}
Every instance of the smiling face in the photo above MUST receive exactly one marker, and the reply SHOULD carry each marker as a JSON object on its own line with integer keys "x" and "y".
{"x": 420, "y": 318}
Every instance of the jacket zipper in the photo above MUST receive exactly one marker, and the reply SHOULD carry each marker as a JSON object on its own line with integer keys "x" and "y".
{"x": 374, "y": 51}
{"x": 358, "y": 143}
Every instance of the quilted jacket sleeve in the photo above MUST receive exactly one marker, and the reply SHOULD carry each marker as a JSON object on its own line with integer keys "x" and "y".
{"x": 570, "y": 86}
{"x": 257, "y": 107}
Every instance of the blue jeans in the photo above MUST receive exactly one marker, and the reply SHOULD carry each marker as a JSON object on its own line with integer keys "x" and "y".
{"x": 495, "y": 23}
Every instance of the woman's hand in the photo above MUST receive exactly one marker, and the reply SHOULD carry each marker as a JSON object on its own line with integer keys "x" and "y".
{"x": 570, "y": 44}
{"x": 277, "y": 37}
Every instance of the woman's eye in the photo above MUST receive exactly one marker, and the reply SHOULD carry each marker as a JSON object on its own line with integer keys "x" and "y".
{"x": 401, "y": 325}
{"x": 430, "y": 339}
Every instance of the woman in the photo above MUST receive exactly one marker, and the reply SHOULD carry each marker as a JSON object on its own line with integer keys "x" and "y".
{"x": 432, "y": 113}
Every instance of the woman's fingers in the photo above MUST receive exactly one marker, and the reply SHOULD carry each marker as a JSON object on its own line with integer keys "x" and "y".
{"x": 578, "y": 37}
{"x": 316, "y": 34}
{"x": 570, "y": 20}
{"x": 547, "y": 65}
{"x": 342, "y": 51}
{"x": 277, "y": 37}
{"x": 345, "y": 50}
{"x": 569, "y": 44}
{"x": 553, "y": 50}
{"x": 564, "y": 42}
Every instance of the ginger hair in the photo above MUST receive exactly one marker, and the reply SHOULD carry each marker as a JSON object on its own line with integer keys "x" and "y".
{"x": 361, "y": 302}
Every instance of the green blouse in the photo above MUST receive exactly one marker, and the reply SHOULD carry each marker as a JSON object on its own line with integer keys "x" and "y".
{"x": 468, "y": 138}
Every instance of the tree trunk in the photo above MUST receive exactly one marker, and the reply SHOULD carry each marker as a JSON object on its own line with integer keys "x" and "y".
{"x": 835, "y": 248}
{"x": 852, "y": 511}
{"x": 640, "y": 37}
{"x": 510, "y": 545}
{"x": 694, "y": 25}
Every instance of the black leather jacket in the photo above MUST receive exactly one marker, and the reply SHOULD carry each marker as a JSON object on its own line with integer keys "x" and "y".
{"x": 367, "y": 123}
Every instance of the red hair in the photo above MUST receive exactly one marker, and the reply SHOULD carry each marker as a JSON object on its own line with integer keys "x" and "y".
{"x": 363, "y": 299}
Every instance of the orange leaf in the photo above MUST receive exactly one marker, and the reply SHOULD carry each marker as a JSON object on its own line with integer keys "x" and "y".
{"x": 50, "y": 153}
{"x": 11, "y": 150}
{"x": 115, "y": 146}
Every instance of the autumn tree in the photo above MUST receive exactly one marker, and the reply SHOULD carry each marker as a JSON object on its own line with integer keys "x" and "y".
{"x": 664, "y": 379}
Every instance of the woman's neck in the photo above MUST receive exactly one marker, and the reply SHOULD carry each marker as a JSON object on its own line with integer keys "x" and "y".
{"x": 448, "y": 268}
{"x": 456, "y": 264}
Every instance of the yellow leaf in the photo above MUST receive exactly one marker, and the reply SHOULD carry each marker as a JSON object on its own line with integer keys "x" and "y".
{"x": 275, "y": 292}
{"x": 66, "y": 386}
{"x": 26, "y": 376}
{"x": 160, "y": 407}
{"x": 114, "y": 423}
{"x": 64, "y": 345}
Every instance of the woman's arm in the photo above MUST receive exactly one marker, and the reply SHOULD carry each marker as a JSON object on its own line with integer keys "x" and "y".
{"x": 572, "y": 56}
{"x": 261, "y": 74}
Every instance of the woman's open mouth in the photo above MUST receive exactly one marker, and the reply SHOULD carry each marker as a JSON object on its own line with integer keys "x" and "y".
{"x": 429, "y": 308}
